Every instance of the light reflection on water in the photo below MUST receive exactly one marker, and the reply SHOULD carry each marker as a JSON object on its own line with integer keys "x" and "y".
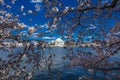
{"x": 58, "y": 67}
{"x": 67, "y": 73}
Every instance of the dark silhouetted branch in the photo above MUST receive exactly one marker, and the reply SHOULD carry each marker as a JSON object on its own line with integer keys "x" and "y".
{"x": 112, "y": 5}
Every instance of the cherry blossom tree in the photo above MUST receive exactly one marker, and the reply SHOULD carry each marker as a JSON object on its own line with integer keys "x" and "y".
{"x": 18, "y": 58}
{"x": 89, "y": 18}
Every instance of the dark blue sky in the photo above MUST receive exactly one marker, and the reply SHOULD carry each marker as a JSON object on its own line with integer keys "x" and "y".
{"x": 38, "y": 16}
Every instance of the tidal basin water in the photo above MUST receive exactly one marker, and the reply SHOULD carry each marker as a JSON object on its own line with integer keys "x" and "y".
{"x": 59, "y": 71}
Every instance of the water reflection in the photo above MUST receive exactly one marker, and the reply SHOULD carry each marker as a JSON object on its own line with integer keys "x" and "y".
{"x": 59, "y": 70}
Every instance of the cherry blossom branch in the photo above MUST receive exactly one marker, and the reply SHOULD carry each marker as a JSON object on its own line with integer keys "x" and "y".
{"x": 112, "y": 5}
{"x": 107, "y": 56}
